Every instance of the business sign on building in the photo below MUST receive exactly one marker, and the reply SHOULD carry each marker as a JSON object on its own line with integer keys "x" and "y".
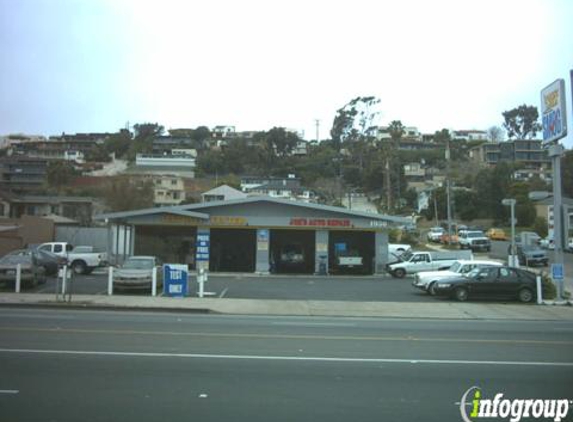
{"x": 202, "y": 247}
{"x": 553, "y": 113}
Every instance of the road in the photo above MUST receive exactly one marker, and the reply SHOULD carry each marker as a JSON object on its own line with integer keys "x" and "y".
{"x": 128, "y": 366}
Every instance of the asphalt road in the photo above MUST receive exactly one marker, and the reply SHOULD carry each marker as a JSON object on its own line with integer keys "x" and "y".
{"x": 125, "y": 366}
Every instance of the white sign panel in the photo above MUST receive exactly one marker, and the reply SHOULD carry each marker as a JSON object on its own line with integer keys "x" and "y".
{"x": 553, "y": 114}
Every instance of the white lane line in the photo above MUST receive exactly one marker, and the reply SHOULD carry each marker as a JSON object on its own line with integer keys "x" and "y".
{"x": 9, "y": 391}
{"x": 284, "y": 358}
{"x": 313, "y": 324}
{"x": 223, "y": 293}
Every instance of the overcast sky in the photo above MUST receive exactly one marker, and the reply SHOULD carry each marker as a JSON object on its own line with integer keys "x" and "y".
{"x": 91, "y": 66}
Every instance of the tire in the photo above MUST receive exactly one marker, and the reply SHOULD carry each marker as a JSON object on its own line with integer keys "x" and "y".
{"x": 399, "y": 273}
{"x": 461, "y": 294}
{"x": 431, "y": 289}
{"x": 525, "y": 295}
{"x": 79, "y": 267}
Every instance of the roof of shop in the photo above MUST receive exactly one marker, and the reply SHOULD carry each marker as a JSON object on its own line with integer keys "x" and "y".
{"x": 193, "y": 210}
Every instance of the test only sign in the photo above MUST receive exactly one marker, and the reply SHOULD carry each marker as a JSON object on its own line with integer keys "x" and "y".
{"x": 175, "y": 280}
{"x": 553, "y": 113}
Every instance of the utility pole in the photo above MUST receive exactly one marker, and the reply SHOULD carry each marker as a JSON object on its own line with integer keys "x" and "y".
{"x": 448, "y": 192}
{"x": 317, "y": 123}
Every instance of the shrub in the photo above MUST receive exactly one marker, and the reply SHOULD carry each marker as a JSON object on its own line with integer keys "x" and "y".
{"x": 548, "y": 287}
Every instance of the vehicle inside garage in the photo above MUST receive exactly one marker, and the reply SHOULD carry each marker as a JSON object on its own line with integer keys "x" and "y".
{"x": 351, "y": 252}
{"x": 292, "y": 251}
{"x": 233, "y": 250}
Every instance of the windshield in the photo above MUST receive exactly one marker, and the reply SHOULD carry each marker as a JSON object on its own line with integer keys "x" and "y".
{"x": 456, "y": 266}
{"x": 475, "y": 234}
{"x": 406, "y": 256}
{"x": 139, "y": 264}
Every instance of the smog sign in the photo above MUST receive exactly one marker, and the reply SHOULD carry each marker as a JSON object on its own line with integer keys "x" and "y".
{"x": 553, "y": 114}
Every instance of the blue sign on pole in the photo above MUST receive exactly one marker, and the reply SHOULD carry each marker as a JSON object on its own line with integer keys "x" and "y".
{"x": 557, "y": 271}
{"x": 175, "y": 280}
{"x": 202, "y": 247}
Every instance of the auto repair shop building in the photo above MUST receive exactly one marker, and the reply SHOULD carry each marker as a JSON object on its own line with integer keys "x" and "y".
{"x": 255, "y": 235}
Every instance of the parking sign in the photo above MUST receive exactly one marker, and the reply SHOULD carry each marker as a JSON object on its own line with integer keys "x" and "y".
{"x": 557, "y": 272}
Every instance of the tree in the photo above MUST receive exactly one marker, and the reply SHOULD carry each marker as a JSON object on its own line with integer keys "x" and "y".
{"x": 521, "y": 122}
{"x": 355, "y": 120}
{"x": 118, "y": 143}
{"x": 59, "y": 173}
{"x": 124, "y": 194}
{"x": 442, "y": 136}
{"x": 567, "y": 173}
{"x": 396, "y": 130}
{"x": 495, "y": 134}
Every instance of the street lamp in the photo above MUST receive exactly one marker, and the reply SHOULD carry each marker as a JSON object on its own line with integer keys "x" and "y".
{"x": 512, "y": 257}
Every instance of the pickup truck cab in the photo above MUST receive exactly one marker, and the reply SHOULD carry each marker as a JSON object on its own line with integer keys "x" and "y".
{"x": 414, "y": 262}
{"x": 82, "y": 259}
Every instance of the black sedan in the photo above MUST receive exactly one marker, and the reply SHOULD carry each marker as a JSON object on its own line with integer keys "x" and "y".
{"x": 490, "y": 282}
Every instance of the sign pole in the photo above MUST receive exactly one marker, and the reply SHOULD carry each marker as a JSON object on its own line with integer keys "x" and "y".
{"x": 554, "y": 120}
{"x": 555, "y": 152}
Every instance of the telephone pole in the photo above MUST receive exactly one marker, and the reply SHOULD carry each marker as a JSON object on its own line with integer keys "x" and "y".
{"x": 317, "y": 123}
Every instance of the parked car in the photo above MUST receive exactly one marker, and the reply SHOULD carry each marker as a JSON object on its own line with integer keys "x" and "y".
{"x": 435, "y": 234}
{"x": 474, "y": 240}
{"x": 31, "y": 273}
{"x": 82, "y": 259}
{"x": 414, "y": 262}
{"x": 490, "y": 282}
{"x": 136, "y": 273}
{"x": 496, "y": 234}
{"x": 531, "y": 255}
{"x": 51, "y": 262}
{"x": 447, "y": 239}
{"x": 427, "y": 280}
{"x": 547, "y": 243}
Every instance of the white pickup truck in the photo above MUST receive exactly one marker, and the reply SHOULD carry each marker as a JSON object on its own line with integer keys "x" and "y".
{"x": 81, "y": 259}
{"x": 426, "y": 280}
{"x": 414, "y": 262}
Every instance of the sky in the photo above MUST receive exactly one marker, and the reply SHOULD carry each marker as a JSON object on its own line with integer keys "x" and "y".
{"x": 95, "y": 65}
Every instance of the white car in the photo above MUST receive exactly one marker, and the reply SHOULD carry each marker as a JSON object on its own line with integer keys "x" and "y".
{"x": 435, "y": 234}
{"x": 426, "y": 280}
{"x": 547, "y": 243}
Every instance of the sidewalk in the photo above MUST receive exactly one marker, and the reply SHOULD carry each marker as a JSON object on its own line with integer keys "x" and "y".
{"x": 438, "y": 310}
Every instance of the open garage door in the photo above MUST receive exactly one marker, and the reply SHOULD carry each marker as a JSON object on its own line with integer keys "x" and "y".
{"x": 233, "y": 250}
{"x": 292, "y": 251}
{"x": 351, "y": 252}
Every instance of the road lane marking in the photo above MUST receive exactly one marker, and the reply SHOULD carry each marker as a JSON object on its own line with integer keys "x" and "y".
{"x": 9, "y": 391}
{"x": 283, "y": 358}
{"x": 313, "y": 324}
{"x": 289, "y": 336}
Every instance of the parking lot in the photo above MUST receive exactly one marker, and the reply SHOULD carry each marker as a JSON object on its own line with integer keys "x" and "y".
{"x": 287, "y": 287}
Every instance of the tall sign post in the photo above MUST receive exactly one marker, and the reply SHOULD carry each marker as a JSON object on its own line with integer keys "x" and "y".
{"x": 554, "y": 120}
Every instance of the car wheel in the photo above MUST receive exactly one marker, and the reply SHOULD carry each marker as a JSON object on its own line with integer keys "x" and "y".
{"x": 525, "y": 295}
{"x": 79, "y": 267}
{"x": 461, "y": 294}
{"x": 399, "y": 273}
{"x": 432, "y": 289}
